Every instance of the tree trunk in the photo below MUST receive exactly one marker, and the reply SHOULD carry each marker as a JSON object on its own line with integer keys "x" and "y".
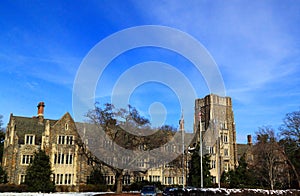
{"x": 271, "y": 178}
{"x": 292, "y": 166}
{"x": 118, "y": 182}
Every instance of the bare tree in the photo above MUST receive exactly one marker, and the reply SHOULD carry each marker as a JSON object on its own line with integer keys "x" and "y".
{"x": 125, "y": 137}
{"x": 269, "y": 162}
{"x": 290, "y": 131}
{"x": 291, "y": 126}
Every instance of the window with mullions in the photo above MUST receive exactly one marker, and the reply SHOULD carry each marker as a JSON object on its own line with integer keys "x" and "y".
{"x": 126, "y": 179}
{"x": 213, "y": 164}
{"x": 65, "y": 139}
{"x": 68, "y": 178}
{"x": 27, "y": 159}
{"x": 109, "y": 180}
{"x": 211, "y": 150}
{"x": 29, "y": 139}
{"x": 69, "y": 159}
{"x": 61, "y": 139}
{"x": 63, "y": 179}
{"x": 140, "y": 163}
{"x": 59, "y": 158}
{"x": 69, "y": 139}
{"x": 59, "y": 178}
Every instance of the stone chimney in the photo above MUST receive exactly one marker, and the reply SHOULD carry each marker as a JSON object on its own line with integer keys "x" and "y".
{"x": 40, "y": 107}
{"x": 249, "y": 138}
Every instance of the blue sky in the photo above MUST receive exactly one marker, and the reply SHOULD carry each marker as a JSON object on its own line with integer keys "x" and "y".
{"x": 256, "y": 45}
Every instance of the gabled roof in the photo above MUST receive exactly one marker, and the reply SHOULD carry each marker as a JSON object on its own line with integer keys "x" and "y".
{"x": 26, "y": 125}
{"x": 242, "y": 149}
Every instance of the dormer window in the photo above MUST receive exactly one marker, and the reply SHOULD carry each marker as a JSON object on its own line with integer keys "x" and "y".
{"x": 29, "y": 139}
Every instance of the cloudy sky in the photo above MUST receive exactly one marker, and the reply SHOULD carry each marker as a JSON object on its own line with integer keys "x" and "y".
{"x": 255, "y": 44}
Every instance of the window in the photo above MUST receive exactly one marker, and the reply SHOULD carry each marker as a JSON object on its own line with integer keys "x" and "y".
{"x": 62, "y": 158}
{"x": 180, "y": 180}
{"x": 142, "y": 147}
{"x": 27, "y": 159}
{"x": 214, "y": 179}
{"x": 22, "y": 178}
{"x": 140, "y": 178}
{"x": 153, "y": 163}
{"x": 169, "y": 180}
{"x": 63, "y": 179}
{"x": 57, "y": 179}
{"x": 226, "y": 152}
{"x": 170, "y": 165}
{"x": 109, "y": 180}
{"x": 140, "y": 163}
{"x": 154, "y": 178}
{"x": 61, "y": 139}
{"x": 171, "y": 148}
{"x": 29, "y": 139}
{"x": 223, "y": 125}
{"x": 69, "y": 140}
{"x": 69, "y": 159}
{"x": 66, "y": 126}
{"x": 225, "y": 138}
{"x": 65, "y": 139}
{"x": 226, "y": 166}
{"x": 213, "y": 164}
{"x": 68, "y": 178}
{"x": 211, "y": 150}
{"x": 107, "y": 144}
{"x": 59, "y": 158}
{"x": 126, "y": 179}
{"x": 125, "y": 160}
{"x": 109, "y": 160}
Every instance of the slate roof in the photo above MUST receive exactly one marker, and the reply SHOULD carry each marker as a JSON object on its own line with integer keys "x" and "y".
{"x": 242, "y": 149}
{"x": 25, "y": 125}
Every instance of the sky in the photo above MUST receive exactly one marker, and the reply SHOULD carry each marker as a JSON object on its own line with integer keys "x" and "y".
{"x": 255, "y": 45}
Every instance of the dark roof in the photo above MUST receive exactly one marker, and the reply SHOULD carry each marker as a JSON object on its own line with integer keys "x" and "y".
{"x": 25, "y": 125}
{"x": 242, "y": 149}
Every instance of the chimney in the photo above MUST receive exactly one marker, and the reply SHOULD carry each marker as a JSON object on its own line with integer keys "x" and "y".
{"x": 249, "y": 138}
{"x": 40, "y": 107}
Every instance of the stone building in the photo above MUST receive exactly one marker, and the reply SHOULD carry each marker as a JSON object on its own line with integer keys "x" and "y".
{"x": 71, "y": 160}
{"x": 25, "y": 135}
{"x": 67, "y": 144}
{"x": 245, "y": 150}
{"x": 218, "y": 132}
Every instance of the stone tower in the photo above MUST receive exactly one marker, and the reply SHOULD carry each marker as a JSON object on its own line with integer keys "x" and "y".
{"x": 218, "y": 132}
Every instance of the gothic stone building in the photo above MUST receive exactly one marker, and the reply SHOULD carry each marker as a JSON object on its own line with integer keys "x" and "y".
{"x": 57, "y": 138}
{"x": 218, "y": 132}
{"x": 71, "y": 165}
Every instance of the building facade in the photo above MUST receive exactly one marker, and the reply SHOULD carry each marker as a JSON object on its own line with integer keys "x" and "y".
{"x": 218, "y": 132}
{"x": 67, "y": 144}
{"x": 64, "y": 142}
{"x": 58, "y": 138}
